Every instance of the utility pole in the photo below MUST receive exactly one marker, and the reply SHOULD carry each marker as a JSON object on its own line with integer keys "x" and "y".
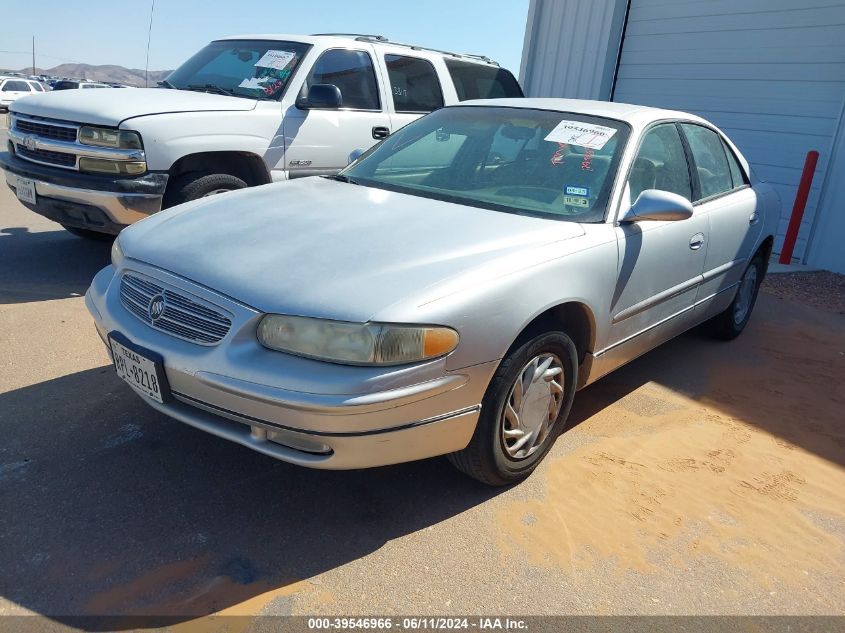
{"x": 149, "y": 35}
{"x": 33, "y": 54}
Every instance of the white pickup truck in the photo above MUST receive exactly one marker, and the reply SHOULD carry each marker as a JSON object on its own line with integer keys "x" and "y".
{"x": 243, "y": 111}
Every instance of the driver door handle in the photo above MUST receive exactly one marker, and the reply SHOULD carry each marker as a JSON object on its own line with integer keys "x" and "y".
{"x": 696, "y": 241}
{"x": 380, "y": 132}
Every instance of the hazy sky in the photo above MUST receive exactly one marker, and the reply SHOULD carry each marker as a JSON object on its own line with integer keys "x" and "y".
{"x": 115, "y": 32}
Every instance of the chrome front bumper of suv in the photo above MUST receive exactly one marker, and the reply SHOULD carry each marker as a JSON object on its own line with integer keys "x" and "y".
{"x": 98, "y": 203}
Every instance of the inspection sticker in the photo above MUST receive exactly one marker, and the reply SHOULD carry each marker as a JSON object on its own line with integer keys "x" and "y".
{"x": 576, "y": 201}
{"x": 275, "y": 59}
{"x": 576, "y": 191}
{"x": 581, "y": 134}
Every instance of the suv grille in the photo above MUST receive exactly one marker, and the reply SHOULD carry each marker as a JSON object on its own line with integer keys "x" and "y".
{"x": 46, "y": 156}
{"x": 45, "y": 130}
{"x": 182, "y": 317}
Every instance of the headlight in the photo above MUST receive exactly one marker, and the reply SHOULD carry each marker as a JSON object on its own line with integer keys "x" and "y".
{"x": 104, "y": 137}
{"x": 116, "y": 254}
{"x": 116, "y": 167}
{"x": 355, "y": 343}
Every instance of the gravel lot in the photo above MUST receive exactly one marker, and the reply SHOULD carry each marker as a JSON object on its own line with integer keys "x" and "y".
{"x": 704, "y": 478}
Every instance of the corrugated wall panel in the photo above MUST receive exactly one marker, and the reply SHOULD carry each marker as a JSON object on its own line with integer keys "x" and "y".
{"x": 771, "y": 73}
{"x": 571, "y": 48}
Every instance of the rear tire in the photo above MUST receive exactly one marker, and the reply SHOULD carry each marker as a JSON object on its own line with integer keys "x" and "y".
{"x": 501, "y": 450}
{"x": 197, "y": 185}
{"x": 88, "y": 234}
{"x": 730, "y": 323}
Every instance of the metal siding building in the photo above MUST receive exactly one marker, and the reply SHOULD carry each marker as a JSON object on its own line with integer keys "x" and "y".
{"x": 770, "y": 73}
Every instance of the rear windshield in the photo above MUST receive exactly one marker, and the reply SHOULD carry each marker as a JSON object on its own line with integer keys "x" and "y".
{"x": 478, "y": 81}
{"x": 65, "y": 85}
{"x": 257, "y": 69}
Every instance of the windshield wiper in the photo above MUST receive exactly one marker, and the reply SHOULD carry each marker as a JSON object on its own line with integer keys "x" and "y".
{"x": 166, "y": 84}
{"x": 341, "y": 178}
{"x": 211, "y": 88}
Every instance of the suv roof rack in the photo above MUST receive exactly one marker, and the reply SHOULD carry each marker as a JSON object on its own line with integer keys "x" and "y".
{"x": 360, "y": 37}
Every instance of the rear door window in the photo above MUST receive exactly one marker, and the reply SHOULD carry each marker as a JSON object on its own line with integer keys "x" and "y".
{"x": 711, "y": 162}
{"x": 36, "y": 86}
{"x": 480, "y": 81}
{"x": 353, "y": 73}
{"x": 413, "y": 84}
{"x": 737, "y": 174}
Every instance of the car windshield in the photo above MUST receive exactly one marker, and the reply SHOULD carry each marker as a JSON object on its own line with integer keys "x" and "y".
{"x": 255, "y": 69}
{"x": 535, "y": 162}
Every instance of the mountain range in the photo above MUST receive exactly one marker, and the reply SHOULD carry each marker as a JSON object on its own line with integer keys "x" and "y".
{"x": 106, "y": 73}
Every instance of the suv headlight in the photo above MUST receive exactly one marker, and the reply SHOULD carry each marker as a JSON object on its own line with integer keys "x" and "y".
{"x": 105, "y": 137}
{"x": 355, "y": 343}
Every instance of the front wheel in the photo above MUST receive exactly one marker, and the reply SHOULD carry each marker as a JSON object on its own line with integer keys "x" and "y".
{"x": 193, "y": 186}
{"x": 524, "y": 409}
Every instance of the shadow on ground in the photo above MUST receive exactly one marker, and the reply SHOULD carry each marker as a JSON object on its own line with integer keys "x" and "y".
{"x": 47, "y": 265}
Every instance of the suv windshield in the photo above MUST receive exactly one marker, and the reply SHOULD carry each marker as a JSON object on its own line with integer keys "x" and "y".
{"x": 255, "y": 69}
{"x": 536, "y": 162}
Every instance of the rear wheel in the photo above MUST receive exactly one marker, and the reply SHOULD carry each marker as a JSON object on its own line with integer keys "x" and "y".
{"x": 89, "y": 234}
{"x": 193, "y": 186}
{"x": 524, "y": 409}
{"x": 731, "y": 322}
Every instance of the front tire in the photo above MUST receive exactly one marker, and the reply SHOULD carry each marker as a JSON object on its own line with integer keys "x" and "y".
{"x": 194, "y": 186}
{"x": 730, "y": 323}
{"x": 523, "y": 411}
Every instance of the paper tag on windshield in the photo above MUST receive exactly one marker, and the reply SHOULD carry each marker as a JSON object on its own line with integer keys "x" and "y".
{"x": 581, "y": 134}
{"x": 275, "y": 59}
{"x": 255, "y": 83}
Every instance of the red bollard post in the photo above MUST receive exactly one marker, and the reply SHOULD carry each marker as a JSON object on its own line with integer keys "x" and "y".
{"x": 798, "y": 207}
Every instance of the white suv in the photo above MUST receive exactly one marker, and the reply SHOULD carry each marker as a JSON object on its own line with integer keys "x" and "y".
{"x": 243, "y": 111}
{"x": 13, "y": 88}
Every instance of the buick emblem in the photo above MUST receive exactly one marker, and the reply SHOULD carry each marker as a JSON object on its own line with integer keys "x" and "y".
{"x": 156, "y": 308}
{"x": 30, "y": 142}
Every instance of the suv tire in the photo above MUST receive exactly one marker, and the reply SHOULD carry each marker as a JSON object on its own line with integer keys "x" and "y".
{"x": 193, "y": 186}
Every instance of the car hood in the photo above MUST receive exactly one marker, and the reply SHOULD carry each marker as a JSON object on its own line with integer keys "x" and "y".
{"x": 111, "y": 106}
{"x": 322, "y": 248}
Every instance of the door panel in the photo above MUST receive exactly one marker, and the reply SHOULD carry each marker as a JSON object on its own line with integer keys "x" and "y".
{"x": 320, "y": 141}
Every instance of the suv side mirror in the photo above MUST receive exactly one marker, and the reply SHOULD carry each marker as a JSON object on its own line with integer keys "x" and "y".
{"x": 321, "y": 97}
{"x": 658, "y": 205}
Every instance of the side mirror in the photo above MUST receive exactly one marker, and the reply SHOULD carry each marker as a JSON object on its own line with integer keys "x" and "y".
{"x": 353, "y": 155}
{"x": 321, "y": 97}
{"x": 660, "y": 206}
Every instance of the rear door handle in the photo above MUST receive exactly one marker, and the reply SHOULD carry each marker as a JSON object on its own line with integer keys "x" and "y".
{"x": 696, "y": 241}
{"x": 380, "y": 132}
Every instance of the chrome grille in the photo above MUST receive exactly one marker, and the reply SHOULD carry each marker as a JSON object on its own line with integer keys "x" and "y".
{"x": 46, "y": 156}
{"x": 182, "y": 317}
{"x": 45, "y": 130}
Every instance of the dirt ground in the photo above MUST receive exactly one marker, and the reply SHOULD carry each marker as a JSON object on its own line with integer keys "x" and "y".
{"x": 703, "y": 478}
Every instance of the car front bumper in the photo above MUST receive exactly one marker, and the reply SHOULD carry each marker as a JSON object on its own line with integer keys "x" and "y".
{"x": 301, "y": 411}
{"x": 97, "y": 203}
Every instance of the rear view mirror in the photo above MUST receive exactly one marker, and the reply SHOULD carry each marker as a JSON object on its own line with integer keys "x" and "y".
{"x": 321, "y": 97}
{"x": 659, "y": 206}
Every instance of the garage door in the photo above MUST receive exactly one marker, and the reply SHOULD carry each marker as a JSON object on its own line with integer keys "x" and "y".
{"x": 770, "y": 73}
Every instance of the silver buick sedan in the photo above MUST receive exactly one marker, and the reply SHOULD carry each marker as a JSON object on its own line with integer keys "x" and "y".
{"x": 447, "y": 293}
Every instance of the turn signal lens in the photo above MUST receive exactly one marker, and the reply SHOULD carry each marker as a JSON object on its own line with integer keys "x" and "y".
{"x": 116, "y": 167}
{"x": 355, "y": 343}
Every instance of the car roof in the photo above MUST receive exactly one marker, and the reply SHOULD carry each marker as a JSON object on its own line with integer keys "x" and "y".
{"x": 346, "y": 38}
{"x": 636, "y": 115}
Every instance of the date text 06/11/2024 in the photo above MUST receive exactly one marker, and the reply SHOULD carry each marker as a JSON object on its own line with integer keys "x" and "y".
{"x": 430, "y": 623}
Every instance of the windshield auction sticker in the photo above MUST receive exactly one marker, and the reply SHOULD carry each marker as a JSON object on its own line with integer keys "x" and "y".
{"x": 581, "y": 134}
{"x": 275, "y": 59}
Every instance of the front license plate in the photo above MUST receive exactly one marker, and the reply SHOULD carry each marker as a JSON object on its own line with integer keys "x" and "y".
{"x": 25, "y": 190}
{"x": 140, "y": 371}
